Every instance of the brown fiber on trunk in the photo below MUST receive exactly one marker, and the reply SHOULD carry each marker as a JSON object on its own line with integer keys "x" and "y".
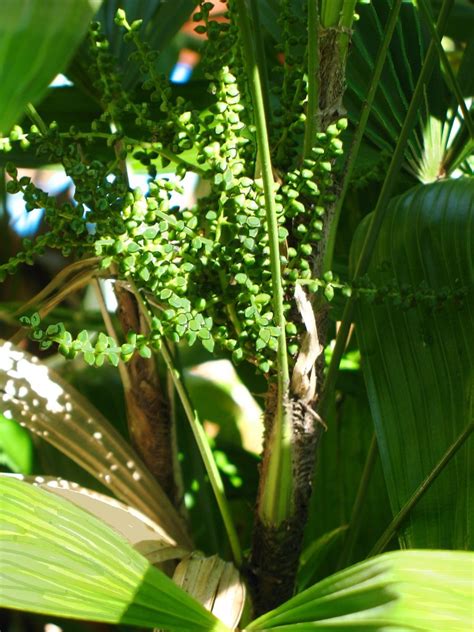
{"x": 148, "y": 414}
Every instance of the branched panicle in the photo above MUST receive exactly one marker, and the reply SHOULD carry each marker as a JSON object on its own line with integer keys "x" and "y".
{"x": 203, "y": 271}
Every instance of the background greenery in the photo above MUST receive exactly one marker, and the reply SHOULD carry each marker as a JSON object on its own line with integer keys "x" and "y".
{"x": 400, "y": 413}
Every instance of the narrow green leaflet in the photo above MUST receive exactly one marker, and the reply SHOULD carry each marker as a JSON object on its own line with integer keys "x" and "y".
{"x": 59, "y": 560}
{"x": 37, "y": 39}
{"x": 314, "y": 554}
{"x": 416, "y": 334}
{"x": 427, "y": 591}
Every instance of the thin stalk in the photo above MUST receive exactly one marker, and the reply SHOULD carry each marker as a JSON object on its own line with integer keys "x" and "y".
{"x": 76, "y": 283}
{"x": 276, "y": 500}
{"x": 451, "y": 78}
{"x": 364, "y": 117}
{"x": 461, "y": 148}
{"x": 260, "y": 56}
{"x": 3, "y": 195}
{"x": 312, "y": 114}
{"x": 463, "y": 75}
{"x": 206, "y": 453}
{"x": 58, "y": 281}
{"x": 361, "y": 496}
{"x": 393, "y": 527}
{"x": 381, "y": 208}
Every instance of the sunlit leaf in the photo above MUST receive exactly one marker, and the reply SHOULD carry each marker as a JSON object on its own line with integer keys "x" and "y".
{"x": 427, "y": 591}
{"x": 139, "y": 530}
{"x": 59, "y": 560}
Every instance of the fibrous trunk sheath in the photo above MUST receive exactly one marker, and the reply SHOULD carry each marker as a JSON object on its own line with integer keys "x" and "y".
{"x": 149, "y": 419}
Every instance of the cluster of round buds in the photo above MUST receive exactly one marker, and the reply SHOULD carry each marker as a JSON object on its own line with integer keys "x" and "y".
{"x": 203, "y": 272}
{"x": 288, "y": 85}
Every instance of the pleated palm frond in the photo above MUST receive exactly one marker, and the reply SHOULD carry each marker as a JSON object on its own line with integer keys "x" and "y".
{"x": 415, "y": 325}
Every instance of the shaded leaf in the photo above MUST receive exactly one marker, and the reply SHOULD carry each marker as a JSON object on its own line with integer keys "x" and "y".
{"x": 407, "y": 50}
{"x": 161, "y": 20}
{"x": 215, "y": 584}
{"x": 37, "y": 39}
{"x": 341, "y": 460}
{"x": 415, "y": 347}
{"x": 16, "y": 448}
{"x": 313, "y": 554}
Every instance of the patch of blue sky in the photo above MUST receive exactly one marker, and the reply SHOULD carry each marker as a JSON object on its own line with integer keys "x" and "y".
{"x": 26, "y": 223}
{"x": 181, "y": 73}
{"x": 60, "y": 81}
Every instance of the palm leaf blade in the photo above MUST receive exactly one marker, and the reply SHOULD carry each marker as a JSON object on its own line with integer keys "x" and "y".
{"x": 417, "y": 364}
{"x": 52, "y": 30}
{"x": 59, "y": 560}
{"x": 405, "y": 590}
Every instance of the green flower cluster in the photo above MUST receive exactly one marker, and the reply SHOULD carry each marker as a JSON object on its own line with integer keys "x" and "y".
{"x": 203, "y": 272}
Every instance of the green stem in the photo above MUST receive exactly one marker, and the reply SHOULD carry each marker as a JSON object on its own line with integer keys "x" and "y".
{"x": 312, "y": 114}
{"x": 393, "y": 527}
{"x": 380, "y": 210}
{"x": 354, "y": 522}
{"x": 331, "y": 12}
{"x": 345, "y": 25}
{"x": 276, "y": 500}
{"x": 364, "y": 117}
{"x": 35, "y": 118}
{"x": 206, "y": 453}
{"x": 260, "y": 57}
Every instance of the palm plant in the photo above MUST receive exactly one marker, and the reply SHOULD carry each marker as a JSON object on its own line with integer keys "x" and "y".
{"x": 301, "y": 118}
